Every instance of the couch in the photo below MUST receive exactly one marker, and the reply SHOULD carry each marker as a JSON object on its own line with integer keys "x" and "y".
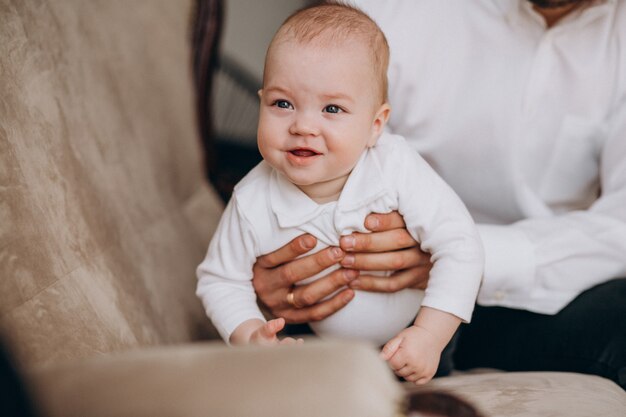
{"x": 105, "y": 213}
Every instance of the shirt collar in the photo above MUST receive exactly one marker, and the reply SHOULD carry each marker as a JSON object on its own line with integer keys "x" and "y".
{"x": 514, "y": 10}
{"x": 293, "y": 207}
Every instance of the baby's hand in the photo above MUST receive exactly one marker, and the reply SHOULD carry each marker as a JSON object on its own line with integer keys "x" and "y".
{"x": 413, "y": 354}
{"x": 266, "y": 334}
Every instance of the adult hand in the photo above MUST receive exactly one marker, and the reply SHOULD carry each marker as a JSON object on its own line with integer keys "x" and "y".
{"x": 275, "y": 274}
{"x": 388, "y": 248}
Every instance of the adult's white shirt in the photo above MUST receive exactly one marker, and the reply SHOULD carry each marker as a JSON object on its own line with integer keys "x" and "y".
{"x": 528, "y": 126}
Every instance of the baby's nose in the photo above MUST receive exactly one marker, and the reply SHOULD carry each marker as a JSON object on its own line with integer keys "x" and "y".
{"x": 304, "y": 125}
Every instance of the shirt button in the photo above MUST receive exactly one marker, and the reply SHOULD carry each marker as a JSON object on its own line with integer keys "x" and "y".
{"x": 499, "y": 295}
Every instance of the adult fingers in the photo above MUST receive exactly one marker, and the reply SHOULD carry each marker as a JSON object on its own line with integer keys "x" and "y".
{"x": 384, "y": 241}
{"x": 305, "y": 267}
{"x": 307, "y": 295}
{"x": 317, "y": 311}
{"x": 290, "y": 251}
{"x": 416, "y": 278}
{"x": 267, "y": 280}
{"x": 379, "y": 222}
{"x": 386, "y": 261}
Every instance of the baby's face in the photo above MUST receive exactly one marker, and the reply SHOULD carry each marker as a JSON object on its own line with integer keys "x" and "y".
{"x": 319, "y": 111}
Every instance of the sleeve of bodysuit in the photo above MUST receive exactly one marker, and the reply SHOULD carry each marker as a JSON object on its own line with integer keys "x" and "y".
{"x": 225, "y": 275}
{"x": 437, "y": 218}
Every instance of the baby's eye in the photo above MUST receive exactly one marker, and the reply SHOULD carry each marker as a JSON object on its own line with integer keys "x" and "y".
{"x": 332, "y": 108}
{"x": 283, "y": 104}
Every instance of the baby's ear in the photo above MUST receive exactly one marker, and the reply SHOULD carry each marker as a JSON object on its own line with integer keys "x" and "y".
{"x": 380, "y": 120}
{"x": 260, "y": 93}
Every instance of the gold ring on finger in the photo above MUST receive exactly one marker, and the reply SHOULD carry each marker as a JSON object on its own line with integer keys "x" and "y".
{"x": 291, "y": 300}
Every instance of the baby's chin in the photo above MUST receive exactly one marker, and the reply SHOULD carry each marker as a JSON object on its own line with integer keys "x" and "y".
{"x": 302, "y": 182}
{"x": 298, "y": 178}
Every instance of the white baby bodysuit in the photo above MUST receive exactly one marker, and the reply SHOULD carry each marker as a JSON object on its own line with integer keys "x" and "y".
{"x": 266, "y": 211}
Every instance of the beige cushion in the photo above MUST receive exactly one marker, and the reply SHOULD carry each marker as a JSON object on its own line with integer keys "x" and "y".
{"x": 331, "y": 379}
{"x": 536, "y": 394}
{"x": 104, "y": 213}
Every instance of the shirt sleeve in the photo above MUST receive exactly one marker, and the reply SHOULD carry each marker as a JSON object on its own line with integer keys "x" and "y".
{"x": 225, "y": 275}
{"x": 436, "y": 217}
{"x": 541, "y": 264}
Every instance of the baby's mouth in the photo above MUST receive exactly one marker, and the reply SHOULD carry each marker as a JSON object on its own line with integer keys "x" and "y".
{"x": 303, "y": 152}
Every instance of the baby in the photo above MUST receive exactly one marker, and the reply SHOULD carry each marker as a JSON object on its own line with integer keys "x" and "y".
{"x": 327, "y": 165}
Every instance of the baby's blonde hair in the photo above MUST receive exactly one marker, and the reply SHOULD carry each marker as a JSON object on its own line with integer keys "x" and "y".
{"x": 334, "y": 21}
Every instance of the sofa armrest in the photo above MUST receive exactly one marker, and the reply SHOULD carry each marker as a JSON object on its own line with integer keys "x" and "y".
{"x": 315, "y": 379}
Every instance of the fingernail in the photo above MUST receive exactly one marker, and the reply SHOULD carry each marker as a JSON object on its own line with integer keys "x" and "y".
{"x": 350, "y": 274}
{"x": 348, "y": 260}
{"x": 336, "y": 252}
{"x": 372, "y": 223}
{"x": 308, "y": 242}
{"x": 347, "y": 242}
{"x": 355, "y": 284}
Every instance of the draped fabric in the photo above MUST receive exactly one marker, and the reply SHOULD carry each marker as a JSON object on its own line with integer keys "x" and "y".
{"x": 104, "y": 207}
{"x": 206, "y": 34}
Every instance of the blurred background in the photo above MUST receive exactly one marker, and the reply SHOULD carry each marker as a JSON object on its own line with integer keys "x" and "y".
{"x": 248, "y": 29}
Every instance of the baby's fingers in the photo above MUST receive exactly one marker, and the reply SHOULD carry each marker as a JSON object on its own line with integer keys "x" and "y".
{"x": 271, "y": 328}
{"x": 390, "y": 348}
{"x": 405, "y": 372}
{"x": 420, "y": 377}
{"x": 417, "y": 378}
{"x": 412, "y": 377}
{"x": 291, "y": 341}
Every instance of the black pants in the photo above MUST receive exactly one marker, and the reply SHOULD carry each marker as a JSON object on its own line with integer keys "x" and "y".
{"x": 588, "y": 336}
